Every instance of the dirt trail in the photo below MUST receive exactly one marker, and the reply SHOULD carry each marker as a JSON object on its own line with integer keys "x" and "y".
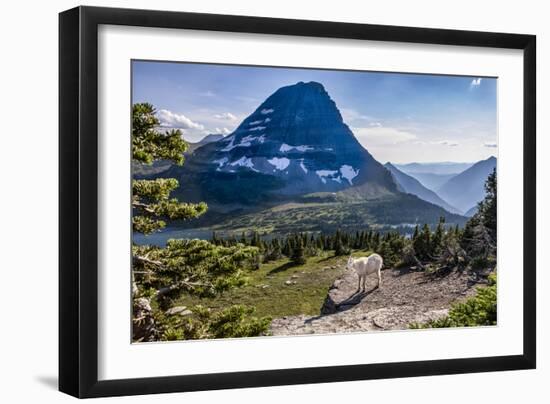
{"x": 405, "y": 296}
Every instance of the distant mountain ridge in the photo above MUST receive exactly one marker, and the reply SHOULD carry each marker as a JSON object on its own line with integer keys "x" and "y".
{"x": 432, "y": 181}
{"x": 213, "y": 137}
{"x": 411, "y": 185}
{"x": 444, "y": 167}
{"x": 466, "y": 189}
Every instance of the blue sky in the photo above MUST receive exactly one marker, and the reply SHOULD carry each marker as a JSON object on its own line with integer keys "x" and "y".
{"x": 397, "y": 117}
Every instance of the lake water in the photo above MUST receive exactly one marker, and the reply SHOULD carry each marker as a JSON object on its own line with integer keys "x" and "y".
{"x": 160, "y": 238}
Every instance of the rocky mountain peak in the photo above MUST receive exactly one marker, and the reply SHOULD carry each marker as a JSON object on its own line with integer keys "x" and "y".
{"x": 297, "y": 141}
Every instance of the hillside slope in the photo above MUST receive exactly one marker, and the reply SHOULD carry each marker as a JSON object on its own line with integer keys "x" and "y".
{"x": 411, "y": 185}
{"x": 466, "y": 189}
{"x": 432, "y": 181}
{"x": 328, "y": 212}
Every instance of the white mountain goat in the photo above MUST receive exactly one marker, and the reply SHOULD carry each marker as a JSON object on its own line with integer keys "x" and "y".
{"x": 365, "y": 266}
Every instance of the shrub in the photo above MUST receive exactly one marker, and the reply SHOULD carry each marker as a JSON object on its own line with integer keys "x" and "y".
{"x": 479, "y": 310}
{"x": 233, "y": 322}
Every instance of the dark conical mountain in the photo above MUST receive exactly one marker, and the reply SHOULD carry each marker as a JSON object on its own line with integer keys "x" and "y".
{"x": 295, "y": 142}
{"x": 411, "y": 185}
{"x": 466, "y": 189}
{"x": 294, "y": 165}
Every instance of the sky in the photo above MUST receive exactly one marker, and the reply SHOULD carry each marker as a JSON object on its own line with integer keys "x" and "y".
{"x": 397, "y": 117}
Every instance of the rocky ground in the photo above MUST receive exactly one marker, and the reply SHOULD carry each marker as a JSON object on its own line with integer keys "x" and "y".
{"x": 405, "y": 296}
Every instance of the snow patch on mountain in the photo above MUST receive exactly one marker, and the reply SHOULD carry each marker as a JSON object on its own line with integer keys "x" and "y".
{"x": 349, "y": 173}
{"x": 286, "y": 148}
{"x": 255, "y": 123}
{"x": 221, "y": 162}
{"x": 250, "y": 138}
{"x": 231, "y": 144}
{"x": 257, "y": 128}
{"x": 323, "y": 174}
{"x": 280, "y": 163}
{"x": 266, "y": 111}
{"x": 303, "y": 166}
{"x": 244, "y": 162}
{"x": 245, "y": 142}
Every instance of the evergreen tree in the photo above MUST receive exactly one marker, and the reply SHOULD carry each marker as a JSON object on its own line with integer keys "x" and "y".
{"x": 338, "y": 244}
{"x": 215, "y": 239}
{"x": 478, "y": 239}
{"x": 196, "y": 267}
{"x": 437, "y": 240}
{"x": 255, "y": 242}
{"x": 319, "y": 242}
{"x": 151, "y": 198}
{"x": 287, "y": 249}
{"x": 415, "y": 233}
{"x": 488, "y": 207}
{"x": 422, "y": 243}
{"x": 298, "y": 254}
{"x": 375, "y": 242}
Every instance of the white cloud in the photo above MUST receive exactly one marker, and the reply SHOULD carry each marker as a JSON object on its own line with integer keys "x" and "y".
{"x": 207, "y": 94}
{"x": 449, "y": 143}
{"x": 475, "y": 82}
{"x": 226, "y": 116}
{"x": 169, "y": 119}
{"x": 223, "y": 131}
{"x": 381, "y": 135}
{"x": 490, "y": 144}
{"x": 247, "y": 99}
{"x": 350, "y": 115}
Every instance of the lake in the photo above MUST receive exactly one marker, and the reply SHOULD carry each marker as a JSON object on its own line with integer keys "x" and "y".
{"x": 160, "y": 238}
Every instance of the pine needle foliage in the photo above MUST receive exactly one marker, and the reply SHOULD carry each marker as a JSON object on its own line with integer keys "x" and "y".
{"x": 196, "y": 267}
{"x": 151, "y": 198}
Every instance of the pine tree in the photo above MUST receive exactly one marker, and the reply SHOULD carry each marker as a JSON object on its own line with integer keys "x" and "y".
{"x": 276, "y": 249}
{"x": 478, "y": 238}
{"x": 437, "y": 240}
{"x": 215, "y": 239}
{"x": 319, "y": 242}
{"x": 488, "y": 207}
{"x": 287, "y": 249}
{"x": 196, "y": 267}
{"x": 415, "y": 233}
{"x": 255, "y": 242}
{"x": 422, "y": 243}
{"x": 375, "y": 242}
{"x": 298, "y": 254}
{"x": 151, "y": 198}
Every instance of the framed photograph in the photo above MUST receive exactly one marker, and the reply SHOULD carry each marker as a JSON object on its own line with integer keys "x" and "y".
{"x": 251, "y": 201}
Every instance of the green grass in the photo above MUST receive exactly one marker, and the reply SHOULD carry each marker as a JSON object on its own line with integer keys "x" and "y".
{"x": 314, "y": 215}
{"x": 278, "y": 299}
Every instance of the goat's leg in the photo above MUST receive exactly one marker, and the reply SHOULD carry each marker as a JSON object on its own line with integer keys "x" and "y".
{"x": 359, "y": 284}
{"x": 364, "y": 283}
{"x": 379, "y": 278}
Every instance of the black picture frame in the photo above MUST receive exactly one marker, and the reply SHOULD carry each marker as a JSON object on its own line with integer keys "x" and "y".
{"x": 78, "y": 200}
